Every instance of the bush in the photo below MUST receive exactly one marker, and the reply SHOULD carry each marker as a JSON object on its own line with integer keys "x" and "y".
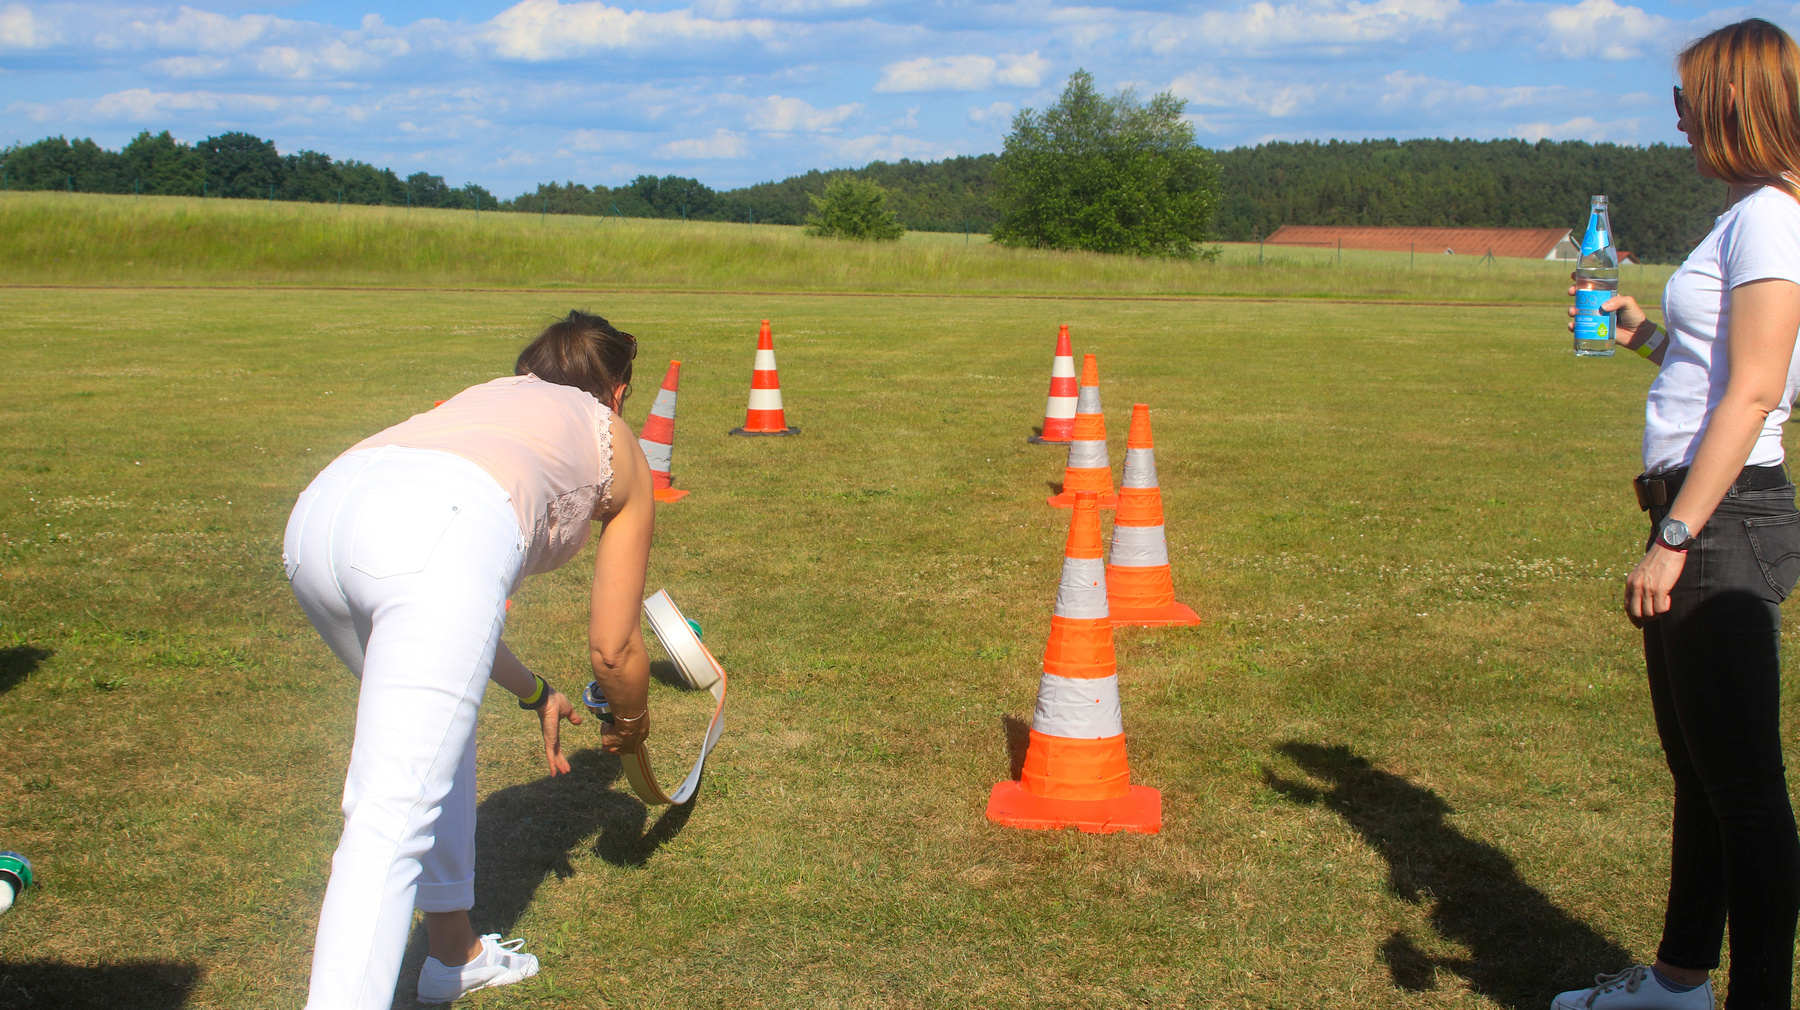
{"x": 853, "y": 208}
{"x": 1110, "y": 175}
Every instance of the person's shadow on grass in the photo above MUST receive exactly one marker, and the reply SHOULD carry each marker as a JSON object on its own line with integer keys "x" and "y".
{"x": 1523, "y": 949}
{"x": 524, "y": 834}
{"x": 145, "y": 985}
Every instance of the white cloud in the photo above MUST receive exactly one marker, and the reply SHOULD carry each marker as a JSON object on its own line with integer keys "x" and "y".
{"x": 1603, "y": 28}
{"x": 892, "y": 147}
{"x": 595, "y": 141}
{"x": 776, "y": 114}
{"x": 1268, "y": 97}
{"x": 1581, "y": 128}
{"x": 962, "y": 73}
{"x": 733, "y": 8}
{"x": 142, "y": 105}
{"x": 1329, "y": 24}
{"x": 21, "y": 29}
{"x": 999, "y": 112}
{"x": 538, "y": 30}
{"x": 1413, "y": 91}
{"x": 723, "y": 144}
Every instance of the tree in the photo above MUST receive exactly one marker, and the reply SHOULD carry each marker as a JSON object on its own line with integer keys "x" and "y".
{"x": 241, "y": 165}
{"x": 160, "y": 165}
{"x": 853, "y": 208}
{"x": 1104, "y": 174}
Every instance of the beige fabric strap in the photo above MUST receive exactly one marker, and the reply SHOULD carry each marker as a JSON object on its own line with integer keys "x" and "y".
{"x": 698, "y": 667}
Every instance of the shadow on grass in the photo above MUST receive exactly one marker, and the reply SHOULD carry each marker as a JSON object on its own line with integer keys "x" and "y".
{"x": 1523, "y": 949}
{"x": 142, "y": 985}
{"x": 17, "y": 662}
{"x": 1018, "y": 741}
{"x": 524, "y": 834}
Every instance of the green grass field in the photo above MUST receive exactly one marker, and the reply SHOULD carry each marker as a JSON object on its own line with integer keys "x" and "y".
{"x": 59, "y": 238}
{"x": 1407, "y": 761}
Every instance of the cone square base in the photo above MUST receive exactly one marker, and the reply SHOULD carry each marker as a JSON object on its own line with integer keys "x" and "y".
{"x": 1066, "y": 500}
{"x": 668, "y": 494}
{"x": 1139, "y": 811}
{"x": 1150, "y": 617}
{"x": 1041, "y": 440}
{"x": 777, "y": 431}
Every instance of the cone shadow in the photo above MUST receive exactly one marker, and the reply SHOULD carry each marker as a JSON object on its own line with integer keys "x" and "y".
{"x": 1018, "y": 741}
{"x": 1523, "y": 948}
{"x": 525, "y": 833}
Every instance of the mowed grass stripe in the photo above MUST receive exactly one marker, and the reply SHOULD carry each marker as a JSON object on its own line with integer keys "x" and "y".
{"x": 1405, "y": 527}
{"x": 62, "y": 238}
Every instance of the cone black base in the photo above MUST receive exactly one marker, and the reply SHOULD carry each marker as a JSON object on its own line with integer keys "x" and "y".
{"x": 1041, "y": 440}
{"x": 784, "y": 431}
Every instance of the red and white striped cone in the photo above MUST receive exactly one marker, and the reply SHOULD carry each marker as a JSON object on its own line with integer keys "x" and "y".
{"x": 1089, "y": 467}
{"x": 1059, "y": 410}
{"x": 1076, "y": 773}
{"x": 658, "y": 438}
{"x": 765, "y": 416}
{"x": 1140, "y": 588}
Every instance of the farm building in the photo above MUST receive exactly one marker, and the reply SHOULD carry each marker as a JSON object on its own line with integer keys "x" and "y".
{"x": 1521, "y": 243}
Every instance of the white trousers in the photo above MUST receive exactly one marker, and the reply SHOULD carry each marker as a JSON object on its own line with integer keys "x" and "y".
{"x": 402, "y": 559}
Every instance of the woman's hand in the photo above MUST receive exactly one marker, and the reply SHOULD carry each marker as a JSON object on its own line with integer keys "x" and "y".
{"x": 555, "y": 710}
{"x": 1629, "y": 317}
{"x": 1648, "y": 586}
{"x": 622, "y": 736}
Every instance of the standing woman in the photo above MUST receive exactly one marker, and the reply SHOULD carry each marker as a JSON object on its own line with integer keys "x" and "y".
{"x": 1725, "y": 537}
{"x": 403, "y": 552}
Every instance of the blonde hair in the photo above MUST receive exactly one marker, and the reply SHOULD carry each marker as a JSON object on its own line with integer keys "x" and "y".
{"x": 1741, "y": 89}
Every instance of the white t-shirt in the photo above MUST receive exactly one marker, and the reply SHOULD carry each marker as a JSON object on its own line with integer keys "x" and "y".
{"x": 1757, "y": 238}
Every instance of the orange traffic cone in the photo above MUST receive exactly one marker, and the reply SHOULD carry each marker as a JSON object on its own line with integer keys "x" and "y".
{"x": 658, "y": 439}
{"x": 1139, "y": 586}
{"x": 1089, "y": 468}
{"x": 765, "y": 416}
{"x": 1075, "y": 769}
{"x": 1059, "y": 411}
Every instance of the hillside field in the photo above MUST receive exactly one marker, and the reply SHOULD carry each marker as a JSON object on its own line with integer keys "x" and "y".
{"x": 63, "y": 239}
{"x": 1407, "y": 761}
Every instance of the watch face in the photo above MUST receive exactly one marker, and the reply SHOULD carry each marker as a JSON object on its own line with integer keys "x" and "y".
{"x": 1674, "y": 532}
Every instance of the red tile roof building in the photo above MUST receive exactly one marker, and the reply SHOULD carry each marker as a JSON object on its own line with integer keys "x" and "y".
{"x": 1522, "y": 243}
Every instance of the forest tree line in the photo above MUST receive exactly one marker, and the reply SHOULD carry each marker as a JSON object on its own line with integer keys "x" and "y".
{"x": 1660, "y": 206}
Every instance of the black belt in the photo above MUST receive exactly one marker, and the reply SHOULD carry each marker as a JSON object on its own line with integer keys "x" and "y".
{"x": 1658, "y": 490}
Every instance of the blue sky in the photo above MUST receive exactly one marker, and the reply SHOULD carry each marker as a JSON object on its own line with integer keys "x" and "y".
{"x": 739, "y": 91}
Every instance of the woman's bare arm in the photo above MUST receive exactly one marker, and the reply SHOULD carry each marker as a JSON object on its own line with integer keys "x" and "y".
{"x": 615, "y": 635}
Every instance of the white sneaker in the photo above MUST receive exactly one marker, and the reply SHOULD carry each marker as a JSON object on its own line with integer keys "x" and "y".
{"x": 497, "y": 964}
{"x": 1634, "y": 989}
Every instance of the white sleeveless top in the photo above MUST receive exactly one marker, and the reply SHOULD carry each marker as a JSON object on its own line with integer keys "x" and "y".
{"x": 548, "y": 446}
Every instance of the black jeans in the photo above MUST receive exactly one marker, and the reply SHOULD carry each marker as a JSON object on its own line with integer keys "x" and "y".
{"x": 1715, "y": 682}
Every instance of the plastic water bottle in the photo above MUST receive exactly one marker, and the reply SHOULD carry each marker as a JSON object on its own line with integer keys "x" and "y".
{"x": 1596, "y": 281}
{"x": 15, "y": 876}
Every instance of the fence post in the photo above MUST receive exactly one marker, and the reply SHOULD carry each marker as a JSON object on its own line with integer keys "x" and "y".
{"x": 134, "y": 189}
{"x": 752, "y": 212}
{"x": 69, "y": 181}
{"x": 544, "y": 214}
{"x": 1340, "y": 258}
{"x": 1260, "y": 238}
{"x": 271, "y": 194}
{"x": 1412, "y": 250}
{"x": 409, "y": 198}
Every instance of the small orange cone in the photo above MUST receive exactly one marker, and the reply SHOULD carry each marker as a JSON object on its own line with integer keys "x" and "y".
{"x": 765, "y": 416}
{"x": 1139, "y": 586}
{"x": 1089, "y": 468}
{"x": 658, "y": 439}
{"x": 1076, "y": 774}
{"x": 1059, "y": 410}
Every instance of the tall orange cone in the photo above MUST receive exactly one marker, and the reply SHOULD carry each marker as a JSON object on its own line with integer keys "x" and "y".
{"x": 1089, "y": 467}
{"x": 1139, "y": 586}
{"x": 765, "y": 416}
{"x": 658, "y": 438}
{"x": 1076, "y": 774}
{"x": 1059, "y": 410}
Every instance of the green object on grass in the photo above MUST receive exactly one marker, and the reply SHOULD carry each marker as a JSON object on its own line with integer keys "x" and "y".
{"x": 695, "y": 625}
{"x": 16, "y": 868}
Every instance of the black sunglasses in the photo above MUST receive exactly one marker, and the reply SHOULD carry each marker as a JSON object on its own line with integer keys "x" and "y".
{"x": 1680, "y": 102}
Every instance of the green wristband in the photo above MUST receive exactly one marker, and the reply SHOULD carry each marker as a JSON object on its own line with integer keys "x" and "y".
{"x": 538, "y": 697}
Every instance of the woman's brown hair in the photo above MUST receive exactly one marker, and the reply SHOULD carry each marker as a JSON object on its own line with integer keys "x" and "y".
{"x": 1741, "y": 90}
{"x": 584, "y": 351}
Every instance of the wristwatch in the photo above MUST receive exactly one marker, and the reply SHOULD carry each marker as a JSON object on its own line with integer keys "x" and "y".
{"x": 1673, "y": 534}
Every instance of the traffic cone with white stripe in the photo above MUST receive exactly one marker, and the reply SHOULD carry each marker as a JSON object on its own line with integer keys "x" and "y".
{"x": 658, "y": 438}
{"x": 1076, "y": 773}
{"x": 1140, "y": 589}
{"x": 1059, "y": 411}
{"x": 1089, "y": 468}
{"x": 765, "y": 416}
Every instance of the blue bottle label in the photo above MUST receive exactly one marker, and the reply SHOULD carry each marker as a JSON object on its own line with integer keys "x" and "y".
{"x": 1595, "y": 240}
{"x": 1590, "y": 322}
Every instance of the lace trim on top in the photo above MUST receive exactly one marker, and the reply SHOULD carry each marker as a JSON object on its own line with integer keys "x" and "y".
{"x": 563, "y": 528}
